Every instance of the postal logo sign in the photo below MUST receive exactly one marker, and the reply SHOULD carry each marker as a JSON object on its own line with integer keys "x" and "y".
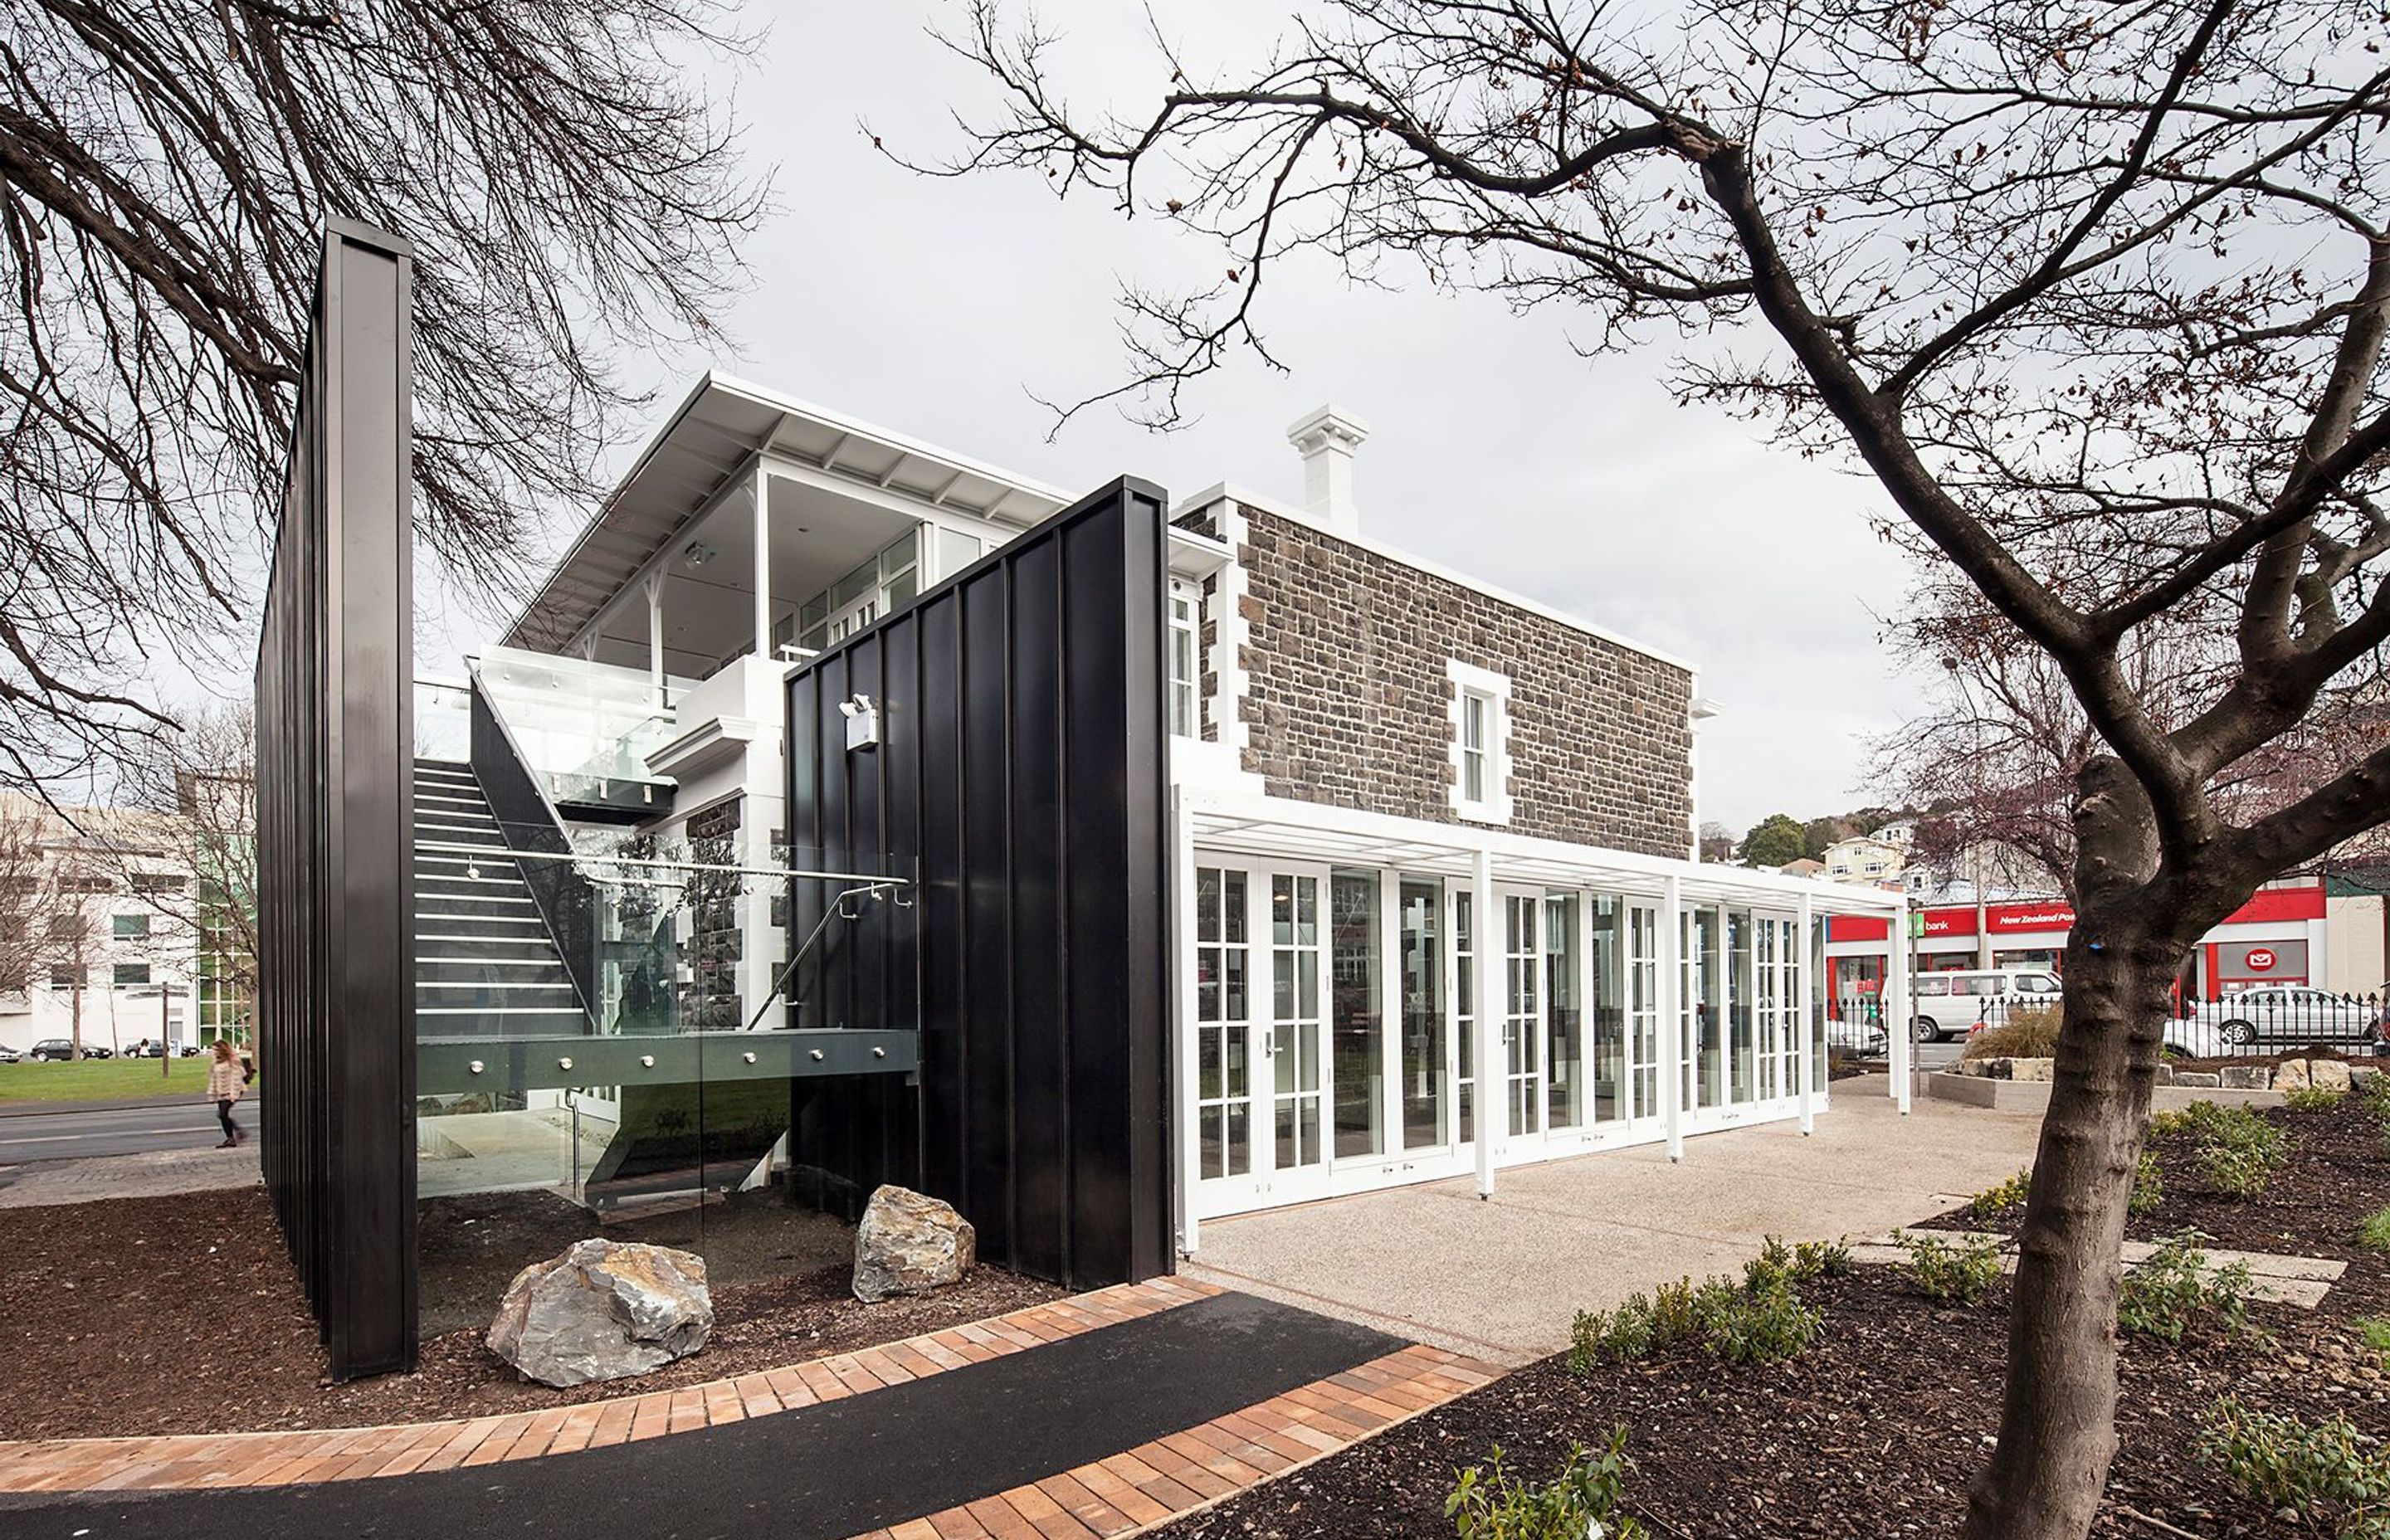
{"x": 2261, "y": 959}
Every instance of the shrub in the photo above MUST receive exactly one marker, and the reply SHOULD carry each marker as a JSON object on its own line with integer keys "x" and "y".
{"x": 2238, "y": 1151}
{"x": 1779, "y": 1266}
{"x": 1999, "y": 1199}
{"x": 1759, "y": 1321}
{"x": 2030, "y": 1032}
{"x": 2149, "y": 1187}
{"x": 2373, "y": 1231}
{"x": 2283, "y": 1462}
{"x": 2375, "y": 1333}
{"x": 2376, "y": 1094}
{"x": 1959, "y": 1270}
{"x": 2313, "y": 1098}
{"x": 2174, "y": 1290}
{"x": 1488, "y": 1502}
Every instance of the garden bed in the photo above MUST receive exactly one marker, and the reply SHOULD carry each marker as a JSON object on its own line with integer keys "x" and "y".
{"x": 1878, "y": 1426}
{"x": 182, "y": 1314}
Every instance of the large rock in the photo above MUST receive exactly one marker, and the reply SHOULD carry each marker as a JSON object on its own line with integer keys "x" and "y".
{"x": 2291, "y": 1074}
{"x": 2328, "y": 1074}
{"x": 910, "y": 1243}
{"x": 603, "y": 1310}
{"x": 2243, "y": 1077}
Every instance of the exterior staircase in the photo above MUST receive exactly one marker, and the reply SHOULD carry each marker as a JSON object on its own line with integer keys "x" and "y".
{"x": 484, "y": 963}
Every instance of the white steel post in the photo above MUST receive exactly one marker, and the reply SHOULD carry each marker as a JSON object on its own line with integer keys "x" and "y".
{"x": 763, "y": 563}
{"x": 655, "y": 592}
{"x": 1182, "y": 1011}
{"x": 1488, "y": 947}
{"x": 1805, "y": 1021}
{"x": 1899, "y": 1008}
{"x": 1672, "y": 1016}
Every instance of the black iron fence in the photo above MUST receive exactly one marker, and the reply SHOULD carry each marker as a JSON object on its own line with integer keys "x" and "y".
{"x": 2254, "y": 1021}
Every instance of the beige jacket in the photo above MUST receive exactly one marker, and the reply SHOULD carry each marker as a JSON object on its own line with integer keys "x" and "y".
{"x": 225, "y": 1083}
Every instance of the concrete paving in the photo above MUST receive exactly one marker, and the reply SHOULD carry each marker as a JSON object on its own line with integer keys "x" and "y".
{"x": 1502, "y": 1278}
{"x": 157, "y": 1174}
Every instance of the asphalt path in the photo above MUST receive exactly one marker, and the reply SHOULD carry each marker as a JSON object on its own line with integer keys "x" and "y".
{"x": 29, "y": 1136}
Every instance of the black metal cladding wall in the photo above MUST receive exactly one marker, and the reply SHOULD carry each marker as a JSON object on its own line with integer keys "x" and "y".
{"x": 335, "y": 981}
{"x": 1021, "y": 768}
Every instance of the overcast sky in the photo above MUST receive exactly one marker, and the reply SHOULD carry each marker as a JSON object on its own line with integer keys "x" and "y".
{"x": 936, "y": 307}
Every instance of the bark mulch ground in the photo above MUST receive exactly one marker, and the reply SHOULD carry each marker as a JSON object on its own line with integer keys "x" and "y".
{"x": 1877, "y": 1428}
{"x": 182, "y": 1314}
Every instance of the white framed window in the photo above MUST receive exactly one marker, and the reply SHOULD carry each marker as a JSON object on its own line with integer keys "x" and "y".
{"x": 1480, "y": 709}
{"x": 1186, "y": 631}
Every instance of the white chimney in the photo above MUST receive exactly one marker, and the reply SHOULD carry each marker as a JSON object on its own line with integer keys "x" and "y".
{"x": 1327, "y": 438}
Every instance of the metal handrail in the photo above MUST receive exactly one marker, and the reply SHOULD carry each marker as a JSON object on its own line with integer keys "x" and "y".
{"x": 784, "y": 873}
{"x": 837, "y": 910}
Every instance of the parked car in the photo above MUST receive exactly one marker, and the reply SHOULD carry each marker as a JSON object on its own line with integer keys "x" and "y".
{"x": 1951, "y": 1005}
{"x": 2294, "y": 1014}
{"x": 8, "y": 1055}
{"x": 57, "y": 1050}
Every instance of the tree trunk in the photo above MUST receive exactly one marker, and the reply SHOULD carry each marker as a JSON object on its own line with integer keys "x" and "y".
{"x": 2058, "y": 1408}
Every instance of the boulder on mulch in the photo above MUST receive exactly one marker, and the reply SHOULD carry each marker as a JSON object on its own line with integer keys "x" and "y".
{"x": 910, "y": 1243}
{"x": 2301, "y": 1075}
{"x": 603, "y": 1310}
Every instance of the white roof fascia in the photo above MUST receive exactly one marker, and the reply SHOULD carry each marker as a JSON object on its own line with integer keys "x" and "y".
{"x": 791, "y": 407}
{"x": 1254, "y": 815}
{"x": 1221, "y": 489}
{"x": 713, "y": 380}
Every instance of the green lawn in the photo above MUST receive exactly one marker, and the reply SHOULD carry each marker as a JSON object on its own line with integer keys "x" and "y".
{"x": 102, "y": 1080}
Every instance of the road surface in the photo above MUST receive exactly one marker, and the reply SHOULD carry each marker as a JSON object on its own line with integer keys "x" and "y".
{"x": 28, "y": 1136}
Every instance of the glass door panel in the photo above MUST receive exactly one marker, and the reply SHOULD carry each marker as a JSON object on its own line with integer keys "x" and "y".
{"x": 1523, "y": 1012}
{"x": 1357, "y": 1014}
{"x": 1606, "y": 1001}
{"x": 1741, "y": 993}
{"x": 1297, "y": 1023}
{"x": 1701, "y": 1069}
{"x": 1643, "y": 1010}
{"x": 1426, "y": 1066}
{"x": 1224, "y": 1049}
{"x": 1564, "y": 1011}
{"x": 1464, "y": 1013}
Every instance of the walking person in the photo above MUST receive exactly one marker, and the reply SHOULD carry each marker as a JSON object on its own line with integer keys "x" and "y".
{"x": 227, "y": 1080}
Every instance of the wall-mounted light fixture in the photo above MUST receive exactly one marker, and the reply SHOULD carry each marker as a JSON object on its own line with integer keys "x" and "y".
{"x": 862, "y": 722}
{"x": 696, "y": 553}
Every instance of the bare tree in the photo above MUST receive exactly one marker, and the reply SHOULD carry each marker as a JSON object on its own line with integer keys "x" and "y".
{"x": 1996, "y": 757}
{"x": 165, "y": 170}
{"x": 187, "y": 846}
{"x": 1717, "y": 842}
{"x": 27, "y": 897}
{"x": 2097, "y": 297}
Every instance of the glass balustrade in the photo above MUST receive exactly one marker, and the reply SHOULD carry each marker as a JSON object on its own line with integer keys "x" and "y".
{"x": 628, "y": 1071}
{"x": 586, "y": 729}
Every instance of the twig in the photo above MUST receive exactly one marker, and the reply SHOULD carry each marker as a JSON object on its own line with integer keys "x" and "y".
{"x": 1658, "y": 1523}
{"x": 2155, "y": 1523}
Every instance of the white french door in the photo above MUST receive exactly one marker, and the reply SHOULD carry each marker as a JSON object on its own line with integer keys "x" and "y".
{"x": 1523, "y": 1000}
{"x": 1260, "y": 1024}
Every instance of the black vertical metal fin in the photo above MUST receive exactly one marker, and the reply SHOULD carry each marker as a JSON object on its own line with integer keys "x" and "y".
{"x": 1022, "y": 775}
{"x": 335, "y": 792}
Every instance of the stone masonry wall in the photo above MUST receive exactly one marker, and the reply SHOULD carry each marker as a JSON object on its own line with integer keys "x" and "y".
{"x": 1348, "y": 698}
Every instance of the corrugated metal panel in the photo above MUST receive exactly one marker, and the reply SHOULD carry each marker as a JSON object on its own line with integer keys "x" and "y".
{"x": 1022, "y": 770}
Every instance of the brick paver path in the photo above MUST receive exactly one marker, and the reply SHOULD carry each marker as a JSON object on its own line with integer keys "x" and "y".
{"x": 1115, "y": 1495}
{"x": 1155, "y": 1483}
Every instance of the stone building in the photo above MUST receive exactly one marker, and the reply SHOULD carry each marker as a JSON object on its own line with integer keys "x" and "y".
{"x": 1434, "y": 908}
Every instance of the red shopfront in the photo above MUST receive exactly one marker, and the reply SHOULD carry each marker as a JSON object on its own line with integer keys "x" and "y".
{"x": 2275, "y": 938}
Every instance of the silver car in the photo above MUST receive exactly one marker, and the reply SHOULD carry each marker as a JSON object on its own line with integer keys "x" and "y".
{"x": 2275, "y": 1013}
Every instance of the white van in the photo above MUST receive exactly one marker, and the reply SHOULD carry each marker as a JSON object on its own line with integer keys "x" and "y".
{"x": 1952, "y": 1005}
